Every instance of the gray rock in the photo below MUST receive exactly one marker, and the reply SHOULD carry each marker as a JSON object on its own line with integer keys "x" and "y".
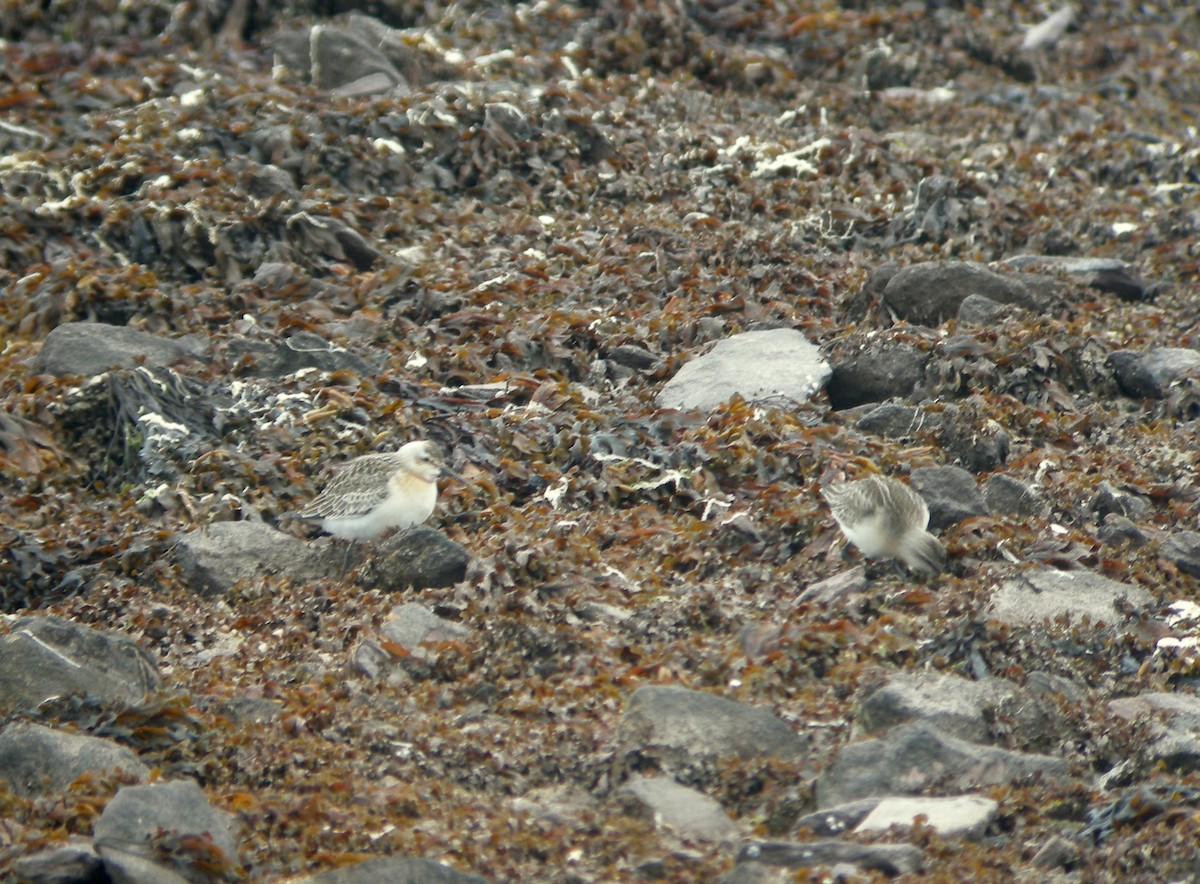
{"x": 39, "y": 760}
{"x": 981, "y": 310}
{"x": 1007, "y": 496}
{"x": 1175, "y": 727}
{"x": 959, "y": 707}
{"x": 46, "y": 657}
{"x": 1047, "y": 593}
{"x": 690, "y": 813}
{"x": 890, "y": 859}
{"x": 1117, "y": 530}
{"x": 958, "y": 816}
{"x": 835, "y": 820}
{"x": 950, "y": 493}
{"x": 1109, "y": 499}
{"x": 772, "y": 365}
{"x": 410, "y": 626}
{"x": 214, "y": 558}
{"x": 931, "y": 292}
{"x": 340, "y": 56}
{"x": 306, "y": 350}
{"x": 977, "y": 448}
{"x": 917, "y": 757}
{"x": 840, "y": 589}
{"x": 419, "y": 558}
{"x": 900, "y": 421}
{"x": 889, "y": 370}
{"x": 1183, "y": 550}
{"x": 139, "y": 817}
{"x": 75, "y": 862}
{"x": 92, "y": 348}
{"x": 664, "y": 717}
{"x": 395, "y": 870}
{"x": 1150, "y": 374}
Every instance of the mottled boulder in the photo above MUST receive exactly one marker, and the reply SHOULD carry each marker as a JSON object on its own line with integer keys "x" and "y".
{"x": 876, "y": 374}
{"x": 39, "y": 760}
{"x": 665, "y": 717}
{"x": 777, "y": 365}
{"x": 890, "y": 859}
{"x": 46, "y": 657}
{"x": 214, "y": 558}
{"x": 917, "y": 757}
{"x": 932, "y": 292}
{"x": 140, "y": 817}
{"x": 91, "y": 348}
{"x": 395, "y": 870}
{"x": 1150, "y": 374}
{"x": 950, "y": 493}
{"x": 1047, "y": 593}
{"x": 418, "y": 558}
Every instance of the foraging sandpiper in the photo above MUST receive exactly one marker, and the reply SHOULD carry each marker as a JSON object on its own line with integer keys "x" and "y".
{"x": 886, "y": 519}
{"x": 379, "y": 491}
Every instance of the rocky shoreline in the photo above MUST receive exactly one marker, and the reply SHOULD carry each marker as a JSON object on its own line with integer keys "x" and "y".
{"x": 652, "y": 275}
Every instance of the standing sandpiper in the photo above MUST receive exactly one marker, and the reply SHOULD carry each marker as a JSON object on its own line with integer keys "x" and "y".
{"x": 886, "y": 519}
{"x": 379, "y": 491}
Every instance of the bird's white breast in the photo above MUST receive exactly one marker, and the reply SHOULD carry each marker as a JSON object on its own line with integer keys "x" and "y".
{"x": 410, "y": 501}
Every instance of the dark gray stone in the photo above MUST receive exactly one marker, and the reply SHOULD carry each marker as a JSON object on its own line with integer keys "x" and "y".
{"x": 931, "y": 292}
{"x": 39, "y": 760}
{"x": 777, "y": 365}
{"x": 395, "y": 870}
{"x": 835, "y": 820}
{"x": 91, "y": 348}
{"x": 1183, "y": 550}
{"x": 1007, "y": 496}
{"x": 1118, "y": 531}
{"x": 46, "y": 657}
{"x": 664, "y": 717}
{"x": 890, "y": 859}
{"x": 1047, "y": 593}
{"x": 900, "y": 421}
{"x": 917, "y": 757}
{"x": 138, "y": 817}
{"x": 981, "y": 310}
{"x": 419, "y": 558}
{"x": 890, "y": 370}
{"x": 1150, "y": 374}
{"x": 950, "y": 493}
{"x": 1109, "y": 500}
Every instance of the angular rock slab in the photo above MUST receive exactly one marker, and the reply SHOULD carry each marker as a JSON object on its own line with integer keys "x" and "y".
{"x": 931, "y": 292}
{"x": 772, "y": 365}
{"x": 954, "y": 705}
{"x": 960, "y": 816}
{"x": 139, "y": 817}
{"x": 1175, "y": 729}
{"x": 46, "y": 657}
{"x": 419, "y": 558}
{"x": 39, "y": 760}
{"x": 891, "y": 859}
{"x": 915, "y": 757}
{"x": 212, "y": 559}
{"x": 1047, "y": 593}
{"x": 92, "y": 348}
{"x": 690, "y": 813}
{"x": 1150, "y": 374}
{"x": 700, "y": 724}
{"x": 75, "y": 862}
{"x": 395, "y": 870}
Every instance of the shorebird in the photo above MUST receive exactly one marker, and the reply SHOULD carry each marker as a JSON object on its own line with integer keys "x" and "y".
{"x": 885, "y": 518}
{"x": 379, "y": 491}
